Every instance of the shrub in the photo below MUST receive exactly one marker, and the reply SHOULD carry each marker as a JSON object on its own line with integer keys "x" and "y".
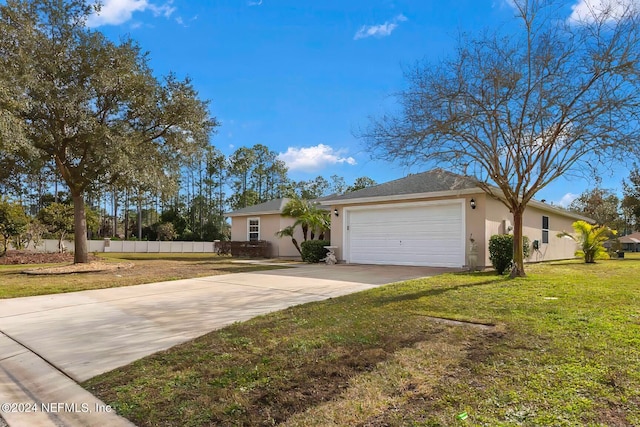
{"x": 501, "y": 251}
{"x": 313, "y": 250}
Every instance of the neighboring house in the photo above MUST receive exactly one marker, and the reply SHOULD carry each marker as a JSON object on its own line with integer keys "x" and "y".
{"x": 630, "y": 242}
{"x": 428, "y": 218}
{"x": 262, "y": 222}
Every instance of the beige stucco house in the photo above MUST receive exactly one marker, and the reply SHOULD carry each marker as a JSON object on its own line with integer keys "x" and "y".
{"x": 429, "y": 219}
{"x": 262, "y": 222}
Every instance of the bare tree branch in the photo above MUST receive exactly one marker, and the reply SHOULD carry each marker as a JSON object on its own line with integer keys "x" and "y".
{"x": 519, "y": 110}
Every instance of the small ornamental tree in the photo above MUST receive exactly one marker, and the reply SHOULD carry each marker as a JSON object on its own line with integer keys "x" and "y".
{"x": 590, "y": 238}
{"x": 166, "y": 231}
{"x": 13, "y": 221}
{"x": 313, "y": 220}
{"x": 58, "y": 219}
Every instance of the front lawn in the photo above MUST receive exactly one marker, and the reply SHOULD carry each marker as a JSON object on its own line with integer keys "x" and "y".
{"x": 564, "y": 351}
{"x": 147, "y": 268}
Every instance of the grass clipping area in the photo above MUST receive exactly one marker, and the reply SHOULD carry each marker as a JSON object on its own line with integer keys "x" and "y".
{"x": 565, "y": 351}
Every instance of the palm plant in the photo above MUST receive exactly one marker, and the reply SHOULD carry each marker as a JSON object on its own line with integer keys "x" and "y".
{"x": 309, "y": 216}
{"x": 590, "y": 238}
{"x": 297, "y": 208}
{"x": 290, "y": 232}
{"x": 317, "y": 221}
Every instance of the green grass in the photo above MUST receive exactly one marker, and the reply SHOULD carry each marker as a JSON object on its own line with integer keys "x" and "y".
{"x": 564, "y": 351}
{"x": 147, "y": 268}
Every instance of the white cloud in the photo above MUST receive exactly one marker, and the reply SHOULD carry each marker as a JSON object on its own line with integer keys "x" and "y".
{"x": 566, "y": 200}
{"x": 116, "y": 12}
{"x": 165, "y": 10}
{"x": 588, "y": 10}
{"x": 255, "y": 3}
{"x": 313, "y": 158}
{"x": 382, "y": 30}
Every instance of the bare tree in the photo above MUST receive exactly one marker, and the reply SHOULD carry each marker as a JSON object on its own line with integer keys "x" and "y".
{"x": 519, "y": 109}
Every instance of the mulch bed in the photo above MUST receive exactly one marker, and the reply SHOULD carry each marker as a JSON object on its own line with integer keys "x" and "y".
{"x": 25, "y": 257}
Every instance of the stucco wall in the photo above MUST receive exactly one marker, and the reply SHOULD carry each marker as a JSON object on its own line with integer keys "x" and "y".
{"x": 557, "y": 248}
{"x": 269, "y": 226}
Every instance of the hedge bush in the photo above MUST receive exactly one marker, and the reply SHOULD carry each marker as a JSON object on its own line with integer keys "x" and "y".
{"x": 313, "y": 250}
{"x": 501, "y": 251}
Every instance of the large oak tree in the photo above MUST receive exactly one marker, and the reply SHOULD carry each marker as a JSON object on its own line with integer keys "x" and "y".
{"x": 92, "y": 105}
{"x": 521, "y": 106}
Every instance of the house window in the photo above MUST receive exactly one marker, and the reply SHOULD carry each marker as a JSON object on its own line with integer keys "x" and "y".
{"x": 253, "y": 228}
{"x": 545, "y": 229}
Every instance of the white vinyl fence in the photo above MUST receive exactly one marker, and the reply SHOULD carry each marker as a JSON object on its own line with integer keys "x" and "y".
{"x": 142, "y": 246}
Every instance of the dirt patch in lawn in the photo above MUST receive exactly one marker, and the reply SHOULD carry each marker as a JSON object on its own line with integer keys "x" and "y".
{"x": 94, "y": 265}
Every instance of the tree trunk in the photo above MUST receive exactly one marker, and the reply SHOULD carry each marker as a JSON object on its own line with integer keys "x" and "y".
{"x": 114, "y": 233}
{"x": 80, "y": 230}
{"x": 126, "y": 214}
{"x": 139, "y": 217}
{"x": 518, "y": 256}
{"x": 60, "y": 244}
{"x": 295, "y": 243}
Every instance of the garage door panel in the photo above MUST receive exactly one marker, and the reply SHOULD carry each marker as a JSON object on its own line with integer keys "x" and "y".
{"x": 418, "y": 235}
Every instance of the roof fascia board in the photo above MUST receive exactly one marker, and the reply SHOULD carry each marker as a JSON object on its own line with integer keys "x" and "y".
{"x": 448, "y": 193}
{"x": 233, "y": 214}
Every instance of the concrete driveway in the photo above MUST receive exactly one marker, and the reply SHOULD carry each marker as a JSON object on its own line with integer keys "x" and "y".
{"x": 47, "y": 341}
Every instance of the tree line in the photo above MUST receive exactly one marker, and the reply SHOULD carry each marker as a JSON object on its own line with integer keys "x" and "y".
{"x": 189, "y": 206}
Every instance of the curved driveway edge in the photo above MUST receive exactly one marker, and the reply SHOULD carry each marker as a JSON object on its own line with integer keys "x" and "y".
{"x": 50, "y": 341}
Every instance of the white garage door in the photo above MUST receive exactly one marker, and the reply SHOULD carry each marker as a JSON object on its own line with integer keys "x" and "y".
{"x": 427, "y": 234}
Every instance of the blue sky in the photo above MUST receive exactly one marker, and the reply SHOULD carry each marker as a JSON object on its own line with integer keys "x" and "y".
{"x": 303, "y": 76}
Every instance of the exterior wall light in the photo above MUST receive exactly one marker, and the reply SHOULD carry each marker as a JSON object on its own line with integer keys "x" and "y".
{"x": 472, "y": 203}
{"x": 335, "y": 212}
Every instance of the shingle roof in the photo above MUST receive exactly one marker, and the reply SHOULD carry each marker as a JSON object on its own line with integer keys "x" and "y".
{"x": 630, "y": 238}
{"x": 271, "y": 206}
{"x": 426, "y": 182}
